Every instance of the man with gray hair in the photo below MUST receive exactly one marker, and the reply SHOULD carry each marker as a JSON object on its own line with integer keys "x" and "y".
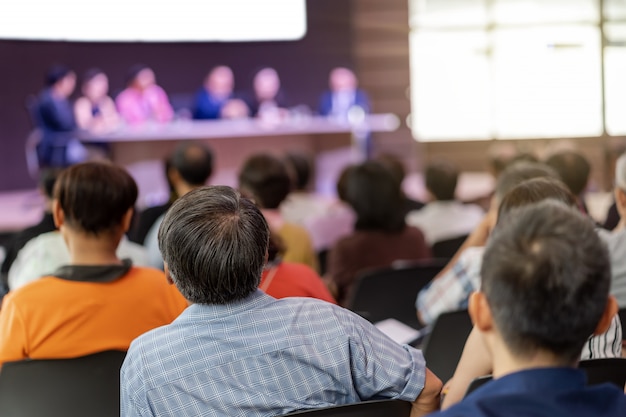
{"x": 616, "y": 240}
{"x": 239, "y": 352}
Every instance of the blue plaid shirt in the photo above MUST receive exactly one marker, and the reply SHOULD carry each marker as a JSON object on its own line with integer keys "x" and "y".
{"x": 264, "y": 357}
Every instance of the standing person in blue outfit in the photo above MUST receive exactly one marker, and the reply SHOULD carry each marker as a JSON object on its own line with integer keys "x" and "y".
{"x": 545, "y": 289}
{"x": 346, "y": 103}
{"x": 54, "y": 115}
{"x": 237, "y": 351}
{"x": 216, "y": 100}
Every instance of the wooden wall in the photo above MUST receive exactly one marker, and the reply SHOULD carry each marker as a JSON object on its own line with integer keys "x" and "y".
{"x": 380, "y": 39}
{"x": 380, "y": 47}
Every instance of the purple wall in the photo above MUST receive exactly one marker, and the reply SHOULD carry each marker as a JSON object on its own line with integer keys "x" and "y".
{"x": 303, "y": 66}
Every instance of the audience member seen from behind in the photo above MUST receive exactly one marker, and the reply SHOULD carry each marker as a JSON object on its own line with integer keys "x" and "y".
{"x": 475, "y": 360}
{"x": 143, "y": 100}
{"x": 326, "y": 219}
{"x": 444, "y": 217}
{"x": 397, "y": 168}
{"x": 216, "y": 99}
{"x": 545, "y": 289}
{"x": 287, "y": 279}
{"x": 95, "y": 111}
{"x": 214, "y": 244}
{"x": 97, "y": 302}
{"x": 381, "y": 236}
{"x": 574, "y": 170}
{"x": 616, "y": 240}
{"x": 146, "y": 219}
{"x": 54, "y": 115}
{"x": 47, "y": 177}
{"x": 451, "y": 288}
{"x": 46, "y": 253}
{"x": 264, "y": 179}
{"x": 190, "y": 167}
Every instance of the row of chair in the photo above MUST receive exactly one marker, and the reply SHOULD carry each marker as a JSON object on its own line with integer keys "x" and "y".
{"x": 89, "y": 386}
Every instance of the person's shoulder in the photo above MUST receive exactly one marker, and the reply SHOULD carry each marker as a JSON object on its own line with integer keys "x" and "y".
{"x": 151, "y": 340}
{"x": 312, "y": 309}
{"x": 47, "y": 245}
{"x": 297, "y": 269}
{"x": 34, "y": 292}
{"x": 126, "y": 95}
{"x": 294, "y": 231}
{"x": 146, "y": 273}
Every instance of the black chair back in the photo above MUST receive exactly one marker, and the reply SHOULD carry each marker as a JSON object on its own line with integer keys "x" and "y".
{"x": 78, "y": 387}
{"x": 443, "y": 346}
{"x": 391, "y": 292}
{"x": 378, "y": 408}
{"x": 603, "y": 370}
{"x": 447, "y": 248}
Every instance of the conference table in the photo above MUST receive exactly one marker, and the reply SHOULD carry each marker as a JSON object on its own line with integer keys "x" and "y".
{"x": 332, "y": 142}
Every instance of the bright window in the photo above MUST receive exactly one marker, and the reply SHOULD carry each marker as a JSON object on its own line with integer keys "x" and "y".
{"x": 512, "y": 69}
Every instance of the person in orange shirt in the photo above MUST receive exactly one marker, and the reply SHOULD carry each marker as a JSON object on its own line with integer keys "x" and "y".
{"x": 288, "y": 279}
{"x": 97, "y": 302}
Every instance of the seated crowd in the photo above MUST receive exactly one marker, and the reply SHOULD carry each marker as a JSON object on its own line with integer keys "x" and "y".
{"x": 230, "y": 302}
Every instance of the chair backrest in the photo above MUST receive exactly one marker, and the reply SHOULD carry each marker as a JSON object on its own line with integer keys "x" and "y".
{"x": 85, "y": 386}
{"x": 604, "y": 370}
{"x": 391, "y": 292}
{"x": 443, "y": 346}
{"x": 377, "y": 408}
{"x": 447, "y": 248}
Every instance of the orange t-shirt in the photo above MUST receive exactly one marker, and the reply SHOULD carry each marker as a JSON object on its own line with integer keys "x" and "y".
{"x": 54, "y": 318}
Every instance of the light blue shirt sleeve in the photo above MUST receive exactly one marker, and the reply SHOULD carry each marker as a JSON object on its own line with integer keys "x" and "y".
{"x": 132, "y": 404}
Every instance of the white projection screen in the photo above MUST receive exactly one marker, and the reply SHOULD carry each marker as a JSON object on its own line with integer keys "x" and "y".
{"x": 153, "y": 20}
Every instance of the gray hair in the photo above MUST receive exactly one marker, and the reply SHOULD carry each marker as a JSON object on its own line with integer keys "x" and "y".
{"x": 214, "y": 243}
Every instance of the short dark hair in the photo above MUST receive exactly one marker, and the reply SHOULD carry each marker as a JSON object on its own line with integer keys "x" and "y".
{"x": 546, "y": 276}
{"x": 55, "y": 74}
{"x": 573, "y": 168}
{"x": 519, "y": 172}
{"x": 342, "y": 182}
{"x": 441, "y": 178}
{"x": 266, "y": 177}
{"x": 95, "y": 196}
{"x": 214, "y": 243}
{"x": 47, "y": 179}
{"x": 133, "y": 72}
{"x": 375, "y": 195}
{"x": 90, "y": 74}
{"x": 533, "y": 191}
{"x": 193, "y": 161}
{"x": 301, "y": 167}
{"x": 394, "y": 164}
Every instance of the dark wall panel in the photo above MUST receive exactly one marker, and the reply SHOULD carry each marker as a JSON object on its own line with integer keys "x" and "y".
{"x": 180, "y": 68}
